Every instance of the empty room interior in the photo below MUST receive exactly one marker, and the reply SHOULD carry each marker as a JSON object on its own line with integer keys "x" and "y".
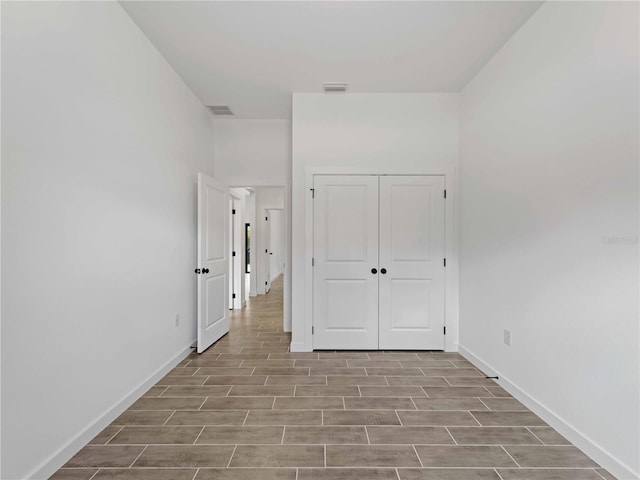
{"x": 320, "y": 240}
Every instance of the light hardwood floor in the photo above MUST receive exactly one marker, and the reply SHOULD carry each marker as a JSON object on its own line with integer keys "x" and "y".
{"x": 247, "y": 409}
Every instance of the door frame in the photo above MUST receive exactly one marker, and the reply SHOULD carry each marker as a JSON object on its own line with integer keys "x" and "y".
{"x": 451, "y": 245}
{"x": 286, "y": 314}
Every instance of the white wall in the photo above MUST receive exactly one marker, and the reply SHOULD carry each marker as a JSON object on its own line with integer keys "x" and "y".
{"x": 252, "y": 152}
{"x": 376, "y": 133}
{"x": 549, "y": 224}
{"x": 101, "y": 143}
{"x": 266, "y": 198}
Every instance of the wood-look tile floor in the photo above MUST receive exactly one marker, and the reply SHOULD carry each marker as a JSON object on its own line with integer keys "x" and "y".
{"x": 247, "y": 409}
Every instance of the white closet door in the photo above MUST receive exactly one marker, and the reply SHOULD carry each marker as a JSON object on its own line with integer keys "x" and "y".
{"x": 345, "y": 291}
{"x": 412, "y": 253}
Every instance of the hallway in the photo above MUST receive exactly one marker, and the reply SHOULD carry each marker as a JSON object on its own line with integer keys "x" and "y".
{"x": 247, "y": 409}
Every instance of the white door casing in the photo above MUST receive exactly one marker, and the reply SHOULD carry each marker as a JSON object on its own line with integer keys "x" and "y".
{"x": 412, "y": 251}
{"x": 213, "y": 264}
{"x": 345, "y": 291}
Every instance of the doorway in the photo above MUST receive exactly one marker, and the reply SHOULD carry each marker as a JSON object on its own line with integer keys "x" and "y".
{"x": 259, "y": 241}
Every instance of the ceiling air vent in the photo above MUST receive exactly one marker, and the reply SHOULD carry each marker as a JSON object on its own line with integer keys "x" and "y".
{"x": 332, "y": 87}
{"x": 220, "y": 109}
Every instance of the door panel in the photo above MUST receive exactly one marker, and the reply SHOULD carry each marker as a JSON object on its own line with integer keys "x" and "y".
{"x": 410, "y": 226}
{"x": 348, "y": 306}
{"x": 213, "y": 235}
{"x": 411, "y": 295}
{"x": 214, "y": 298}
{"x": 345, "y": 305}
{"x": 346, "y": 223}
{"x": 410, "y": 299}
{"x": 215, "y": 205}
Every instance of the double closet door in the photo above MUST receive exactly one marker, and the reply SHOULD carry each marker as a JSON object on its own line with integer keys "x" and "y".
{"x": 378, "y": 256}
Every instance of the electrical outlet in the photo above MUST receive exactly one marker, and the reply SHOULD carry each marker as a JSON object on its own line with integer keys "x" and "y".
{"x": 177, "y": 320}
{"x": 507, "y": 337}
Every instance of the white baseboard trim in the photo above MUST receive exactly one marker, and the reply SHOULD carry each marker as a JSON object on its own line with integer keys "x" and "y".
{"x": 58, "y": 459}
{"x": 574, "y": 435}
{"x": 298, "y": 347}
{"x": 275, "y": 276}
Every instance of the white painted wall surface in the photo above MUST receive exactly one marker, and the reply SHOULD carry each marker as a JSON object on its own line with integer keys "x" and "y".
{"x": 101, "y": 143}
{"x": 252, "y": 152}
{"x": 549, "y": 224}
{"x": 377, "y": 133}
{"x": 266, "y": 198}
{"x": 276, "y": 232}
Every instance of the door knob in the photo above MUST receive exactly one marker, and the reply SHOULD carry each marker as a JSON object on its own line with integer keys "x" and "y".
{"x": 374, "y": 271}
{"x": 205, "y": 270}
{"x": 197, "y": 270}
{"x": 383, "y": 271}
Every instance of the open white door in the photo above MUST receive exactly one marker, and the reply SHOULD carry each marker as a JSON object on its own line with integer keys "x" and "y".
{"x": 212, "y": 270}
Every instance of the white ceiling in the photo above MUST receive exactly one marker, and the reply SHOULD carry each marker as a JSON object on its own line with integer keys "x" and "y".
{"x": 253, "y": 55}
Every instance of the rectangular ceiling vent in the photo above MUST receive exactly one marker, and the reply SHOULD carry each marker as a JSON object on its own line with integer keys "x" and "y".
{"x": 220, "y": 109}
{"x": 332, "y": 87}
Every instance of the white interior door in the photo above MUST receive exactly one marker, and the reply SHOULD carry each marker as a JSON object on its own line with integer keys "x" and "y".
{"x": 412, "y": 274}
{"x": 276, "y": 242}
{"x": 345, "y": 289}
{"x": 267, "y": 251}
{"x": 213, "y": 264}
{"x": 235, "y": 254}
{"x": 237, "y": 250}
{"x": 231, "y": 257}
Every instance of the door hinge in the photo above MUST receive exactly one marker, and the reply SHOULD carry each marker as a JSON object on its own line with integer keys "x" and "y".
{"x": 313, "y": 262}
{"x": 445, "y": 262}
{"x": 313, "y": 193}
{"x": 445, "y": 330}
{"x": 312, "y": 330}
{"x": 233, "y": 254}
{"x": 445, "y": 193}
{"x": 233, "y": 211}
{"x": 233, "y": 295}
